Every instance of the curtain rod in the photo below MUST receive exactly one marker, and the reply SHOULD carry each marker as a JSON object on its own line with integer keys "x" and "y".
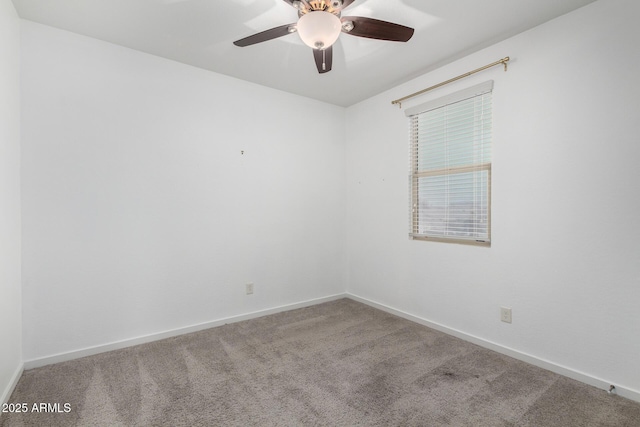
{"x": 502, "y": 61}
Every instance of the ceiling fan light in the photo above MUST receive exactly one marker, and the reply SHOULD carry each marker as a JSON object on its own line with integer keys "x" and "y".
{"x": 319, "y": 29}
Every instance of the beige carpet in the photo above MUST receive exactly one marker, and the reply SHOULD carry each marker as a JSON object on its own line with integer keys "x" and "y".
{"x": 340, "y": 363}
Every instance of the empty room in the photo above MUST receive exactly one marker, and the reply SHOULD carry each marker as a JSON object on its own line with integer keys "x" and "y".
{"x": 331, "y": 213}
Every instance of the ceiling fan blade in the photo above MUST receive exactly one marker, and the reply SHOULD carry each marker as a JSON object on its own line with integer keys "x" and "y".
{"x": 271, "y": 34}
{"x": 376, "y": 29}
{"x": 346, "y": 3}
{"x": 324, "y": 59}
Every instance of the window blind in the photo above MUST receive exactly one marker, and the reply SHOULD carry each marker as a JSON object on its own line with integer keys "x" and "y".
{"x": 450, "y": 167}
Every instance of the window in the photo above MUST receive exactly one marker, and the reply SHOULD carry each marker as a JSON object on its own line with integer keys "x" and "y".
{"x": 450, "y": 173}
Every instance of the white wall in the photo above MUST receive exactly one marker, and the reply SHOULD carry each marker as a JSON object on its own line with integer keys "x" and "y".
{"x": 10, "y": 297}
{"x": 140, "y": 213}
{"x": 565, "y": 254}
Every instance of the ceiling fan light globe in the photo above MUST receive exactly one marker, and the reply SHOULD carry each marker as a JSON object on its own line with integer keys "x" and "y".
{"x": 319, "y": 28}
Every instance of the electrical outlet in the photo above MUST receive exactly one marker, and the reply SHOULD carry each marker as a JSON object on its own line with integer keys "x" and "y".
{"x": 249, "y": 288}
{"x": 505, "y": 314}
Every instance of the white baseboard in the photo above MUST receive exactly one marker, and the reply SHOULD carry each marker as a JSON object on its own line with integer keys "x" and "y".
{"x": 6, "y": 394}
{"x": 90, "y": 351}
{"x": 626, "y": 392}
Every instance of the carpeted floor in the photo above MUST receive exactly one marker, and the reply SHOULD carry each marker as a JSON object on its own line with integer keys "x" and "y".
{"x": 340, "y": 363}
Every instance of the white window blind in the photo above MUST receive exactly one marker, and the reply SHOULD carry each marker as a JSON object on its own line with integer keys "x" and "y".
{"x": 450, "y": 167}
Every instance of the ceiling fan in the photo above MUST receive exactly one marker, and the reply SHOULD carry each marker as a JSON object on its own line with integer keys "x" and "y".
{"x": 320, "y": 23}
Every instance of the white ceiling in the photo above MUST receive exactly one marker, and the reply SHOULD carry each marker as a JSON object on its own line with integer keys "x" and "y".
{"x": 201, "y": 32}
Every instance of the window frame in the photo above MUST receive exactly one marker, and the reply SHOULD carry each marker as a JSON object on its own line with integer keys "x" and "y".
{"x": 415, "y": 174}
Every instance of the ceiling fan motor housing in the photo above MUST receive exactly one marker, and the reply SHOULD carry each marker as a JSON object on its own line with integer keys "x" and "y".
{"x": 333, "y": 6}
